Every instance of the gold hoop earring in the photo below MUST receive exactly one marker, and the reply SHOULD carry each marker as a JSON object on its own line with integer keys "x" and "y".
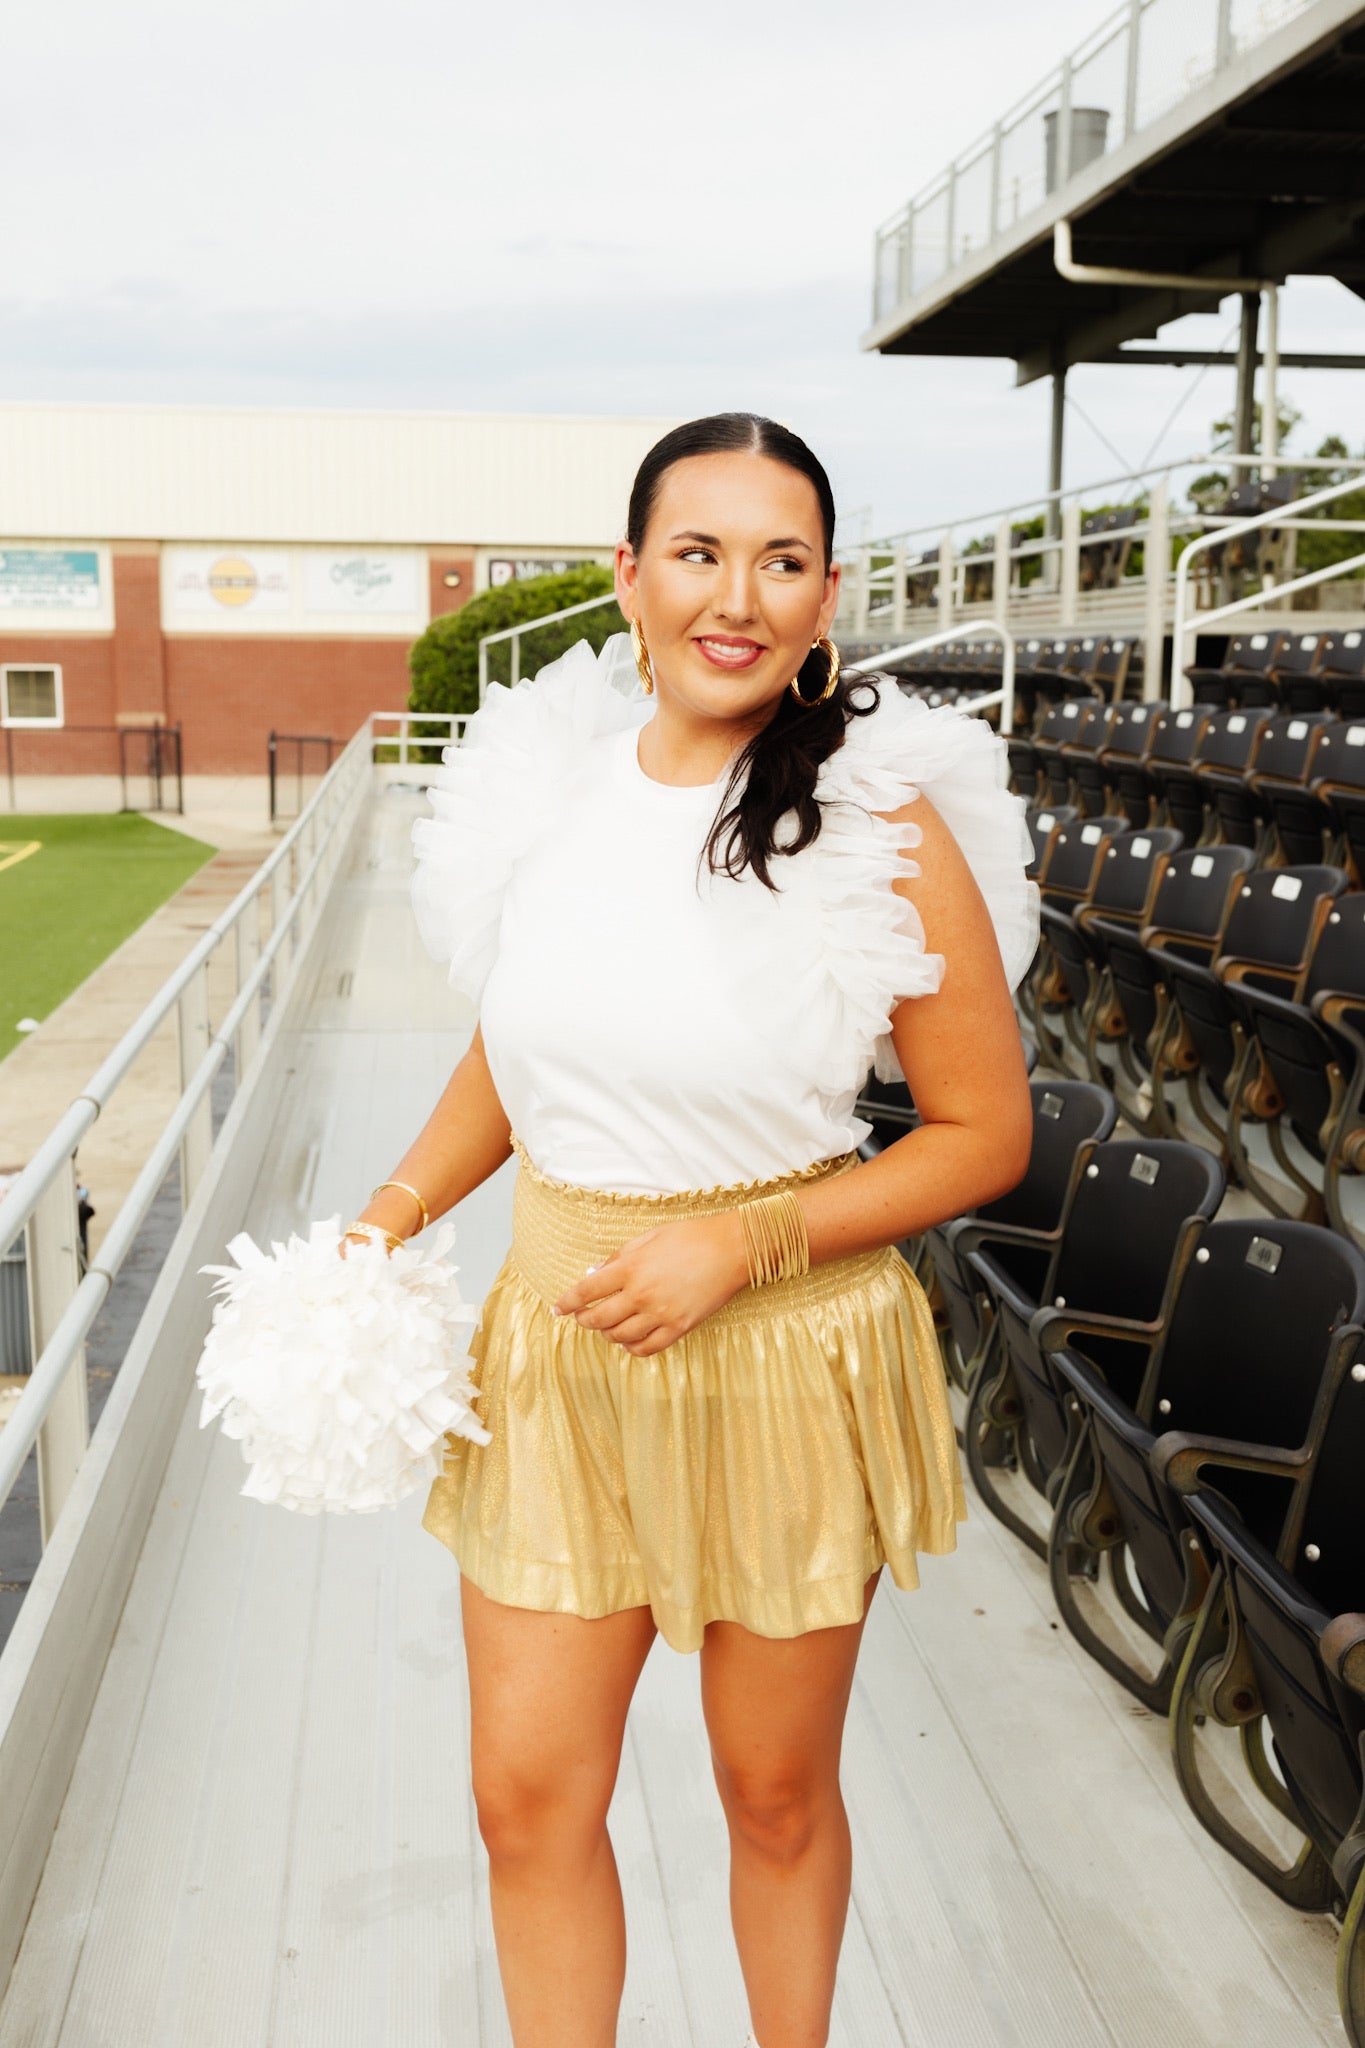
{"x": 831, "y": 654}
{"x": 642, "y": 661}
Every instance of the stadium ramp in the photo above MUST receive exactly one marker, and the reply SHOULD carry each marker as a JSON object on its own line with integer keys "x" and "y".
{"x": 234, "y": 1788}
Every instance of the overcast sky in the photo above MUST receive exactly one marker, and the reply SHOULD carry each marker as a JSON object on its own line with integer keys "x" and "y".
{"x": 567, "y": 208}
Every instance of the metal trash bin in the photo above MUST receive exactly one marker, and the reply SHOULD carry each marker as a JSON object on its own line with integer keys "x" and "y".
{"x": 16, "y": 1350}
{"x": 1089, "y": 135}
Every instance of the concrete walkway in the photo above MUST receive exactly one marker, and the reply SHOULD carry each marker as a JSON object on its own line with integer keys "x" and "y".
{"x": 269, "y": 1840}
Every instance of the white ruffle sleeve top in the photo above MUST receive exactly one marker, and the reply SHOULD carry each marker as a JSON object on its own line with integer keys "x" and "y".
{"x": 651, "y": 1027}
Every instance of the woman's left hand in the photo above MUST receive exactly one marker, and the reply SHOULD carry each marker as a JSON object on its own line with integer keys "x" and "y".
{"x": 660, "y": 1286}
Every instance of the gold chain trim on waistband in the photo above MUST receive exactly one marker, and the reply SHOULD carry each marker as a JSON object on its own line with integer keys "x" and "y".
{"x": 732, "y": 1191}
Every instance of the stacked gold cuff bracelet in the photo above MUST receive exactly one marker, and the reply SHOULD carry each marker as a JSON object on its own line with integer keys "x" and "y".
{"x": 775, "y": 1242}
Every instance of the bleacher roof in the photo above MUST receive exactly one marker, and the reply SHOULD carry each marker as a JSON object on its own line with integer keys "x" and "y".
{"x": 1232, "y": 144}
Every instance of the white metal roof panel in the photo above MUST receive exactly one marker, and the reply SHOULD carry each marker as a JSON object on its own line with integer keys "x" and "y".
{"x": 133, "y": 472}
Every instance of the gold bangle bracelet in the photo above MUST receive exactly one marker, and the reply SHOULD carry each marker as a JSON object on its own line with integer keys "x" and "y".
{"x": 775, "y": 1243}
{"x": 407, "y": 1191}
{"x": 371, "y": 1230}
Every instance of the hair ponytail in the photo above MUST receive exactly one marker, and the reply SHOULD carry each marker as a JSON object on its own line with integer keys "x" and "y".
{"x": 775, "y": 773}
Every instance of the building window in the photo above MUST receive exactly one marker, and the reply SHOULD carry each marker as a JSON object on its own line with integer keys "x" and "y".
{"x": 30, "y": 696}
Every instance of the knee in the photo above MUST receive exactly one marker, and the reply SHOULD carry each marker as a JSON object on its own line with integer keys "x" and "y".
{"x": 526, "y": 1816}
{"x": 775, "y": 1815}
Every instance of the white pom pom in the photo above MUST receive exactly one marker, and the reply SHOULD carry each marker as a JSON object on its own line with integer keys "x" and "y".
{"x": 340, "y": 1376}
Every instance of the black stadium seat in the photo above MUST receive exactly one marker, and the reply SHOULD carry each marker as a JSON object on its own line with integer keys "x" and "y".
{"x": 1125, "y": 780}
{"x": 1339, "y": 784}
{"x": 1276, "y": 804}
{"x": 1341, "y": 671}
{"x": 1175, "y": 742}
{"x": 1225, "y": 750}
{"x": 1077, "y": 853}
{"x": 1022, "y": 1225}
{"x": 1064, "y": 726}
{"x": 1189, "y": 909}
{"x": 1044, "y": 823}
{"x": 1294, "y": 672}
{"x": 1271, "y": 930}
{"x": 1129, "y": 1210}
{"x": 1253, "y": 1321}
{"x": 1245, "y": 676}
{"x": 1312, "y": 1060}
{"x": 1237, "y": 791}
{"x": 1123, "y": 890}
{"x": 1278, "y": 1641}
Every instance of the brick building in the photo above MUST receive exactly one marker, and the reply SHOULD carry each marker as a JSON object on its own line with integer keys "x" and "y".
{"x": 232, "y": 571}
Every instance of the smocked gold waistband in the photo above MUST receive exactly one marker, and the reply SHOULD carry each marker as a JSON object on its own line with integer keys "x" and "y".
{"x": 560, "y": 1229}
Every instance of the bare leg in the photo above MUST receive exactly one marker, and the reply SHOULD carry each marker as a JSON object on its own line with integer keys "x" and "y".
{"x": 775, "y": 1714}
{"x": 548, "y": 1700}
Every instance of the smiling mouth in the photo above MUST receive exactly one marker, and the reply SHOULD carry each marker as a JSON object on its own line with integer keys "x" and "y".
{"x": 725, "y": 651}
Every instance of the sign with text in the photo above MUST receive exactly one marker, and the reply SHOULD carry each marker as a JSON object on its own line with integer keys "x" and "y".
{"x": 49, "y": 580}
{"x": 516, "y": 568}
{"x": 373, "y": 581}
{"x": 227, "y": 582}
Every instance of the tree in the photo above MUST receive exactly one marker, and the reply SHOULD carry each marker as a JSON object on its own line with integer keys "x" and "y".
{"x": 1207, "y": 492}
{"x": 444, "y": 663}
{"x": 1311, "y": 550}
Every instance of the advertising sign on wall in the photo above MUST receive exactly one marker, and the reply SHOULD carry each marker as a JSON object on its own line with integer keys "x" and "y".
{"x": 49, "y": 580}
{"x": 516, "y": 568}
{"x": 356, "y": 582}
{"x": 227, "y": 583}
{"x": 234, "y": 587}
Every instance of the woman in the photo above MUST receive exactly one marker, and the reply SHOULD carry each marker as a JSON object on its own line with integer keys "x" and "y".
{"x": 716, "y": 1406}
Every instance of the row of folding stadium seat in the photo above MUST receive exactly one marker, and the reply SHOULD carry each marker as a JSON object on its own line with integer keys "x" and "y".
{"x": 1168, "y": 1404}
{"x": 1290, "y": 671}
{"x": 1083, "y": 667}
{"x": 1163, "y": 964}
{"x": 1290, "y": 786}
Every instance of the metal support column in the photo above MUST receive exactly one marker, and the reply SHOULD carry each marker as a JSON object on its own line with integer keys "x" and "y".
{"x": 1244, "y": 416}
{"x": 52, "y": 1252}
{"x": 1156, "y": 557}
{"x": 1052, "y": 525}
{"x": 1270, "y": 387}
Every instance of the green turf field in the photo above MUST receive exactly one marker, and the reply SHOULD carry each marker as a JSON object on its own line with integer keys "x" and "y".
{"x": 64, "y": 907}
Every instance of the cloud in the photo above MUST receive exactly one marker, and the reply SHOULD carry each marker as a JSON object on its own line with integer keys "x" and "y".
{"x": 664, "y": 212}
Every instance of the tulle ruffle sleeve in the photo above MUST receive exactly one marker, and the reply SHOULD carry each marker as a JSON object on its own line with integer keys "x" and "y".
{"x": 874, "y": 940}
{"x": 495, "y": 794}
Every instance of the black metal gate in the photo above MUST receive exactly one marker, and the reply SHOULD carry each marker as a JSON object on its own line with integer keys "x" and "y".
{"x": 149, "y": 766}
{"x": 288, "y": 772}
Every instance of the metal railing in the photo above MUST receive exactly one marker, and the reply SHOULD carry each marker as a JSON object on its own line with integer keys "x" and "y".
{"x": 516, "y": 634}
{"x": 1187, "y": 622}
{"x": 1134, "y": 68}
{"x": 987, "y": 700}
{"x": 397, "y": 742}
{"x": 875, "y": 602}
{"x": 291, "y": 885}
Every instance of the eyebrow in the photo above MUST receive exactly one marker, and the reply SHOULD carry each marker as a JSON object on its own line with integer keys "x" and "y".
{"x": 710, "y": 540}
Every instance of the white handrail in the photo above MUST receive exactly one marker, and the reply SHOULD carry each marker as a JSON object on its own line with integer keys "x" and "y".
{"x": 885, "y": 542}
{"x": 990, "y": 628}
{"x": 514, "y": 633}
{"x": 41, "y": 1198}
{"x": 1181, "y": 694}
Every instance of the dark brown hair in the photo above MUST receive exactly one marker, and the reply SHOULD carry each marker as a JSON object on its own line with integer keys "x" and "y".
{"x": 776, "y": 771}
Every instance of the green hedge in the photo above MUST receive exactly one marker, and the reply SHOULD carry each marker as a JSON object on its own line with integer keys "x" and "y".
{"x": 444, "y": 663}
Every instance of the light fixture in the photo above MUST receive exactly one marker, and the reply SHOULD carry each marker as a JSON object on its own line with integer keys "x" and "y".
{"x": 452, "y": 579}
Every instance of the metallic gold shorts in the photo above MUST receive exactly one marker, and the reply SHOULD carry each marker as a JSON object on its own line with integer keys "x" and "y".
{"x": 758, "y": 1470}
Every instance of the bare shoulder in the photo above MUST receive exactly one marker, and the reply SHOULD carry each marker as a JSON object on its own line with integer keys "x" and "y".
{"x": 930, "y": 846}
